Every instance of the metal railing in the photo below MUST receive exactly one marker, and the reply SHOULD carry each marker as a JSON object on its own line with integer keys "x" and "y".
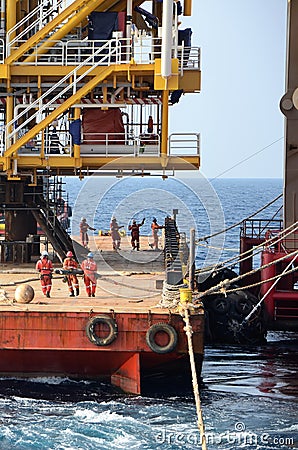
{"x": 43, "y": 103}
{"x": 119, "y": 144}
{"x": 189, "y": 58}
{"x": 59, "y": 143}
{"x": 184, "y": 144}
{"x": 143, "y": 50}
{"x": 52, "y": 142}
{"x": 257, "y": 228}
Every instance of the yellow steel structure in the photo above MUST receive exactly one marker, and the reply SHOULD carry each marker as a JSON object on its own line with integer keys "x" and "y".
{"x": 73, "y": 14}
{"x": 24, "y": 70}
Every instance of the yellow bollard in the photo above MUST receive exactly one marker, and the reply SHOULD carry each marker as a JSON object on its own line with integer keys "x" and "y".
{"x": 185, "y": 295}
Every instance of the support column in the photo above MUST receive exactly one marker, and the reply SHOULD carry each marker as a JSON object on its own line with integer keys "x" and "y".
{"x": 18, "y": 222}
{"x": 11, "y": 15}
{"x": 76, "y": 147}
{"x": 187, "y": 10}
{"x": 290, "y": 110}
{"x": 165, "y": 123}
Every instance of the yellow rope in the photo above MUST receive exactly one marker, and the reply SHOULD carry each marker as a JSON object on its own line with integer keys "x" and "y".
{"x": 189, "y": 332}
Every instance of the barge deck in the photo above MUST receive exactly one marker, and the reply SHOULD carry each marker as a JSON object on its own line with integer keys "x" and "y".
{"x": 122, "y": 335}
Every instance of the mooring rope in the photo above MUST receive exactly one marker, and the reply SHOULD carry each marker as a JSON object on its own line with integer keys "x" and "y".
{"x": 257, "y": 249}
{"x": 204, "y": 238}
{"x": 221, "y": 287}
{"x": 251, "y": 252}
{"x": 189, "y": 332}
{"x": 171, "y": 295}
{"x": 284, "y": 272}
{"x": 259, "y": 283}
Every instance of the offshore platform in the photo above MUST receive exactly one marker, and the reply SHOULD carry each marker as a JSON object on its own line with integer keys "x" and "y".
{"x": 86, "y": 87}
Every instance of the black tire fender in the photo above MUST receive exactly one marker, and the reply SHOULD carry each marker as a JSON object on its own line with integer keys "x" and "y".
{"x": 243, "y": 305}
{"x": 220, "y": 305}
{"x": 166, "y": 328}
{"x": 106, "y": 320}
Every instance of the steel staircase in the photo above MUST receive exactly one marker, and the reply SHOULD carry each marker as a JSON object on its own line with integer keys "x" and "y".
{"x": 66, "y": 86}
{"x": 54, "y": 30}
{"x": 51, "y": 227}
{"x": 48, "y": 22}
{"x": 32, "y": 23}
{"x": 173, "y": 264}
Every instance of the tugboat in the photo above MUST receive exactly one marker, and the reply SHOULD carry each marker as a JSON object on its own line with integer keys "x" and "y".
{"x": 241, "y": 308}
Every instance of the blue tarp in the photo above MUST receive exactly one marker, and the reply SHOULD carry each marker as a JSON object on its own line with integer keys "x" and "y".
{"x": 102, "y": 25}
{"x": 75, "y": 131}
{"x": 184, "y": 36}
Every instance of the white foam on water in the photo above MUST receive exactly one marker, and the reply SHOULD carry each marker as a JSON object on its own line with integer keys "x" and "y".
{"x": 127, "y": 441}
{"x": 46, "y": 380}
{"x": 89, "y": 416}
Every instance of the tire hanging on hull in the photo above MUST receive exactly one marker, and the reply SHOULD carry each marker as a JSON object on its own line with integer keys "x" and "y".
{"x": 226, "y": 319}
{"x": 161, "y": 328}
{"x": 106, "y": 321}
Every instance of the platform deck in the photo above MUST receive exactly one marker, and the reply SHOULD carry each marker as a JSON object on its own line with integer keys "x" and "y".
{"x": 128, "y": 282}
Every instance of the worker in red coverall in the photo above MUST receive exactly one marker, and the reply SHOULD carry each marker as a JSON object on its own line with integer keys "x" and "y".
{"x": 155, "y": 227}
{"x": 84, "y": 227}
{"x": 89, "y": 267}
{"x": 150, "y": 125}
{"x": 45, "y": 268}
{"x": 135, "y": 234}
{"x": 70, "y": 265}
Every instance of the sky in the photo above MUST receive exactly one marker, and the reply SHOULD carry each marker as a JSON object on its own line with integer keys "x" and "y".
{"x": 243, "y": 58}
{"x": 243, "y": 52}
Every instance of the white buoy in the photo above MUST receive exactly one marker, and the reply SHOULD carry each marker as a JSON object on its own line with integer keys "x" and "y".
{"x": 24, "y": 293}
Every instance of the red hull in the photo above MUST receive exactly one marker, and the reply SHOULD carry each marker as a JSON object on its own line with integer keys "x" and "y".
{"x": 56, "y": 343}
{"x": 280, "y": 290}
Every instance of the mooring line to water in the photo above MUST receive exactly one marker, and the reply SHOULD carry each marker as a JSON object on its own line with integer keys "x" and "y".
{"x": 200, "y": 422}
{"x": 209, "y": 236}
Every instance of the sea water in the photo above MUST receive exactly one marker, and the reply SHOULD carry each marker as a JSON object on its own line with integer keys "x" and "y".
{"x": 249, "y": 394}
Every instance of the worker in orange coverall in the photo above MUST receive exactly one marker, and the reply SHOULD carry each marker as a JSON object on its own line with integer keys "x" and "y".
{"x": 45, "y": 267}
{"x": 116, "y": 238}
{"x": 70, "y": 265}
{"x": 84, "y": 227}
{"x": 89, "y": 267}
{"x": 155, "y": 227}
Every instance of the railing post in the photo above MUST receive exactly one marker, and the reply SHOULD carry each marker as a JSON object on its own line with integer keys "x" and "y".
{"x": 192, "y": 255}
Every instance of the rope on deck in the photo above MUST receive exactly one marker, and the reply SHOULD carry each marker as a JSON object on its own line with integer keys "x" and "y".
{"x": 200, "y": 422}
{"x": 171, "y": 295}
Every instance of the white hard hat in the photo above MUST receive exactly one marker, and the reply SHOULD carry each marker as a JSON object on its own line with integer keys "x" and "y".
{"x": 44, "y": 253}
{"x": 83, "y": 218}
